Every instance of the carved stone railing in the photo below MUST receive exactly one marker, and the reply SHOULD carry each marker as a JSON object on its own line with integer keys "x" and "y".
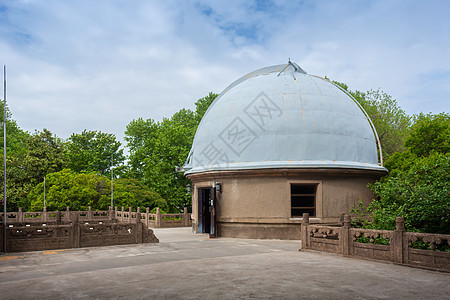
{"x": 156, "y": 220}
{"x": 397, "y": 246}
{"x": 79, "y": 233}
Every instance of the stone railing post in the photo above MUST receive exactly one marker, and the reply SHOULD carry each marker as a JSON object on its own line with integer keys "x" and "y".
{"x": 139, "y": 230}
{"x": 67, "y": 215}
{"x": 58, "y": 218}
{"x": 110, "y": 213}
{"x": 147, "y": 212}
{"x": 76, "y": 232}
{"x": 122, "y": 216}
{"x": 130, "y": 219}
{"x": 20, "y": 215}
{"x": 185, "y": 217}
{"x": 344, "y": 235}
{"x": 158, "y": 218}
{"x": 115, "y": 212}
{"x": 89, "y": 216}
{"x": 44, "y": 216}
{"x": 304, "y": 231}
{"x": 397, "y": 240}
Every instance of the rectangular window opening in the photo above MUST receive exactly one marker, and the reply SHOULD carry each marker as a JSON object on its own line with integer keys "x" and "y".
{"x": 303, "y": 200}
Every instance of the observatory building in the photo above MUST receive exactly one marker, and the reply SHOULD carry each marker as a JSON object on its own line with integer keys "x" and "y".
{"x": 275, "y": 144}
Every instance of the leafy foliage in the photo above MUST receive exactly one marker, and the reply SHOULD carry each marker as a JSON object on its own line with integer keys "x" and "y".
{"x": 140, "y": 135}
{"x": 418, "y": 186}
{"x": 420, "y": 194}
{"x": 16, "y": 137}
{"x": 81, "y": 190}
{"x": 43, "y": 154}
{"x": 92, "y": 151}
{"x": 157, "y": 148}
{"x": 67, "y": 188}
{"x": 130, "y": 192}
{"x": 430, "y": 133}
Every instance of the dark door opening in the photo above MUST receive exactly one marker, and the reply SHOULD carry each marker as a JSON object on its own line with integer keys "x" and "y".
{"x": 204, "y": 214}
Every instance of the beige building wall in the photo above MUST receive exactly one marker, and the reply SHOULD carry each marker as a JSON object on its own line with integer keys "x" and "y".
{"x": 258, "y": 203}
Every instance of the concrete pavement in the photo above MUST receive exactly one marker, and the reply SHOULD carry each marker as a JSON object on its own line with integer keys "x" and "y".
{"x": 189, "y": 266}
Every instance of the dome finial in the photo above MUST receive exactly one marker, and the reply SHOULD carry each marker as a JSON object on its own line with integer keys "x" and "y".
{"x": 294, "y": 66}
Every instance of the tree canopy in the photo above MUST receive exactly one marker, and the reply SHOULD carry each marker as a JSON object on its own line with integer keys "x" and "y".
{"x": 418, "y": 185}
{"x": 81, "y": 190}
{"x": 158, "y": 148}
{"x": 94, "y": 151}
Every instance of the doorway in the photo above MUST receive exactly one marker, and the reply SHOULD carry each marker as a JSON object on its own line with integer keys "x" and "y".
{"x": 206, "y": 210}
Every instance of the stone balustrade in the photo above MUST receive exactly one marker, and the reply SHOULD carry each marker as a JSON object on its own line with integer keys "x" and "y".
{"x": 397, "y": 246}
{"x": 156, "y": 220}
{"x": 74, "y": 234}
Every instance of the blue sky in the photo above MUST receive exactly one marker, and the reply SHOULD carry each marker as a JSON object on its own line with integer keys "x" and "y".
{"x": 97, "y": 65}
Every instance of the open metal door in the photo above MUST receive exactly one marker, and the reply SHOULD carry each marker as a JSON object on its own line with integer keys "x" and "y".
{"x": 212, "y": 212}
{"x": 207, "y": 211}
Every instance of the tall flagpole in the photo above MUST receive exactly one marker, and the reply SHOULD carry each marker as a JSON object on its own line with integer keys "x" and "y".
{"x": 44, "y": 192}
{"x": 4, "y": 158}
{"x": 112, "y": 182}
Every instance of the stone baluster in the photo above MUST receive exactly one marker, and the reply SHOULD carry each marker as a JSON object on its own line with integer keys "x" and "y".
{"x": 58, "y": 218}
{"x": 130, "y": 219}
{"x": 304, "y": 231}
{"x": 67, "y": 215}
{"x": 20, "y": 215}
{"x": 139, "y": 229}
{"x": 397, "y": 240}
{"x": 90, "y": 214}
{"x": 185, "y": 217}
{"x": 158, "y": 218}
{"x": 344, "y": 235}
{"x": 76, "y": 231}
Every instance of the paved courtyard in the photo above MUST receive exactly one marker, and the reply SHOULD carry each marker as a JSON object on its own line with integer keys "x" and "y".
{"x": 188, "y": 266}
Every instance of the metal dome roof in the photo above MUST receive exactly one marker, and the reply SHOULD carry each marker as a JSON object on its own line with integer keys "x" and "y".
{"x": 281, "y": 117}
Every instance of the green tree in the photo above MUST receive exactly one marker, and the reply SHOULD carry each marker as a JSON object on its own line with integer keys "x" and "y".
{"x": 79, "y": 191}
{"x": 67, "y": 188}
{"x": 421, "y": 194}
{"x": 16, "y": 148}
{"x": 157, "y": 148}
{"x": 202, "y": 105}
{"x": 15, "y": 137}
{"x": 418, "y": 184}
{"x": 429, "y": 133}
{"x": 130, "y": 192}
{"x": 139, "y": 136}
{"x": 44, "y": 154}
{"x": 170, "y": 148}
{"x": 91, "y": 151}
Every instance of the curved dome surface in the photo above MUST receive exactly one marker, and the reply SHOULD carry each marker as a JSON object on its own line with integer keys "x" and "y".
{"x": 281, "y": 117}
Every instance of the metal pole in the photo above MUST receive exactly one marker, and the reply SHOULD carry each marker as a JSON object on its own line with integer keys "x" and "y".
{"x": 112, "y": 182}
{"x": 4, "y": 158}
{"x": 44, "y": 192}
